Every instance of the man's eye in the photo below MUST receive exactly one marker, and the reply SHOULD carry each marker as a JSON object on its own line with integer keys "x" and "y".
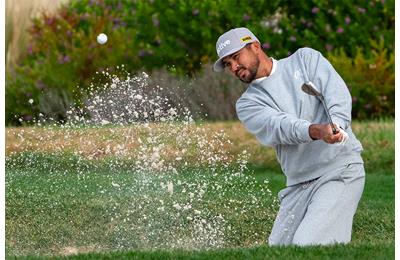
{"x": 236, "y": 57}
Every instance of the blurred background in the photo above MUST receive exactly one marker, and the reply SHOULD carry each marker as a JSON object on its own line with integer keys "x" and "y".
{"x": 51, "y": 49}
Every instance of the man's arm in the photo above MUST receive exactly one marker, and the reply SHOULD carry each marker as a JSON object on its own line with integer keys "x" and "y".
{"x": 331, "y": 85}
{"x": 270, "y": 126}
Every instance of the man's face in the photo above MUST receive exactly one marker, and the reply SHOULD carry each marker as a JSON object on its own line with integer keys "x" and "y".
{"x": 243, "y": 64}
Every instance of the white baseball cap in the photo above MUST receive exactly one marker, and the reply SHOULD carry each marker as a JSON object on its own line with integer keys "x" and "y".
{"x": 231, "y": 42}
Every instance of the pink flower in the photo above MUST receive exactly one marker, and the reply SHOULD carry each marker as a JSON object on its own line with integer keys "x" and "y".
{"x": 30, "y": 49}
{"x": 347, "y": 20}
{"x": 266, "y": 45}
{"x": 292, "y": 38}
{"x": 329, "y": 47}
{"x": 340, "y": 30}
{"x": 315, "y": 10}
{"x": 361, "y": 10}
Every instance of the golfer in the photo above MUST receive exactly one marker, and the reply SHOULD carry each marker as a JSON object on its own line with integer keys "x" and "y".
{"x": 324, "y": 171}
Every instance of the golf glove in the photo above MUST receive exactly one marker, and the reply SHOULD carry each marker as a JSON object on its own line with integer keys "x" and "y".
{"x": 345, "y": 137}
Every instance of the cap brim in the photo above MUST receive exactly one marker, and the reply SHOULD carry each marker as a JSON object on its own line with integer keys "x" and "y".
{"x": 218, "y": 65}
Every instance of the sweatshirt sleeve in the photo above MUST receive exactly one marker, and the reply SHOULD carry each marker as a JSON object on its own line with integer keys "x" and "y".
{"x": 331, "y": 85}
{"x": 270, "y": 126}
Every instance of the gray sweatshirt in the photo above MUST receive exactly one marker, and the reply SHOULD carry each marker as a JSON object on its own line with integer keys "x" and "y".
{"x": 279, "y": 114}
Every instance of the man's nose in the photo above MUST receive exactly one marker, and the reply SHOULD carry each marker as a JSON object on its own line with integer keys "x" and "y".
{"x": 234, "y": 66}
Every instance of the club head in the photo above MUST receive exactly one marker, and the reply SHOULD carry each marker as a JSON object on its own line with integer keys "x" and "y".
{"x": 309, "y": 89}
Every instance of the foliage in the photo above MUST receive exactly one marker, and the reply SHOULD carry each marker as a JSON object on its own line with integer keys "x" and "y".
{"x": 328, "y": 25}
{"x": 179, "y": 36}
{"x": 370, "y": 80}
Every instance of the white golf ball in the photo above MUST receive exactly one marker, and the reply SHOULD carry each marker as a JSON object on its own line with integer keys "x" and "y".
{"x": 101, "y": 38}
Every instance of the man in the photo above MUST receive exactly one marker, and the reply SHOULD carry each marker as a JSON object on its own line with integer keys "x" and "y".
{"x": 324, "y": 171}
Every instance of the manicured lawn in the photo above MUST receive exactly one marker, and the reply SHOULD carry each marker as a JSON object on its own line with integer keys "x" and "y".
{"x": 64, "y": 204}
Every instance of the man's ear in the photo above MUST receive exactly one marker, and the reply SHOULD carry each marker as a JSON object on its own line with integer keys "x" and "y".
{"x": 255, "y": 46}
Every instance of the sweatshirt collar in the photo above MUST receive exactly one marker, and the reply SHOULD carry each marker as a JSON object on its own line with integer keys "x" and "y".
{"x": 274, "y": 64}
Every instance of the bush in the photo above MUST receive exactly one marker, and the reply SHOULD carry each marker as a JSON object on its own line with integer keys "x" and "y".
{"x": 177, "y": 35}
{"x": 370, "y": 80}
{"x": 329, "y": 25}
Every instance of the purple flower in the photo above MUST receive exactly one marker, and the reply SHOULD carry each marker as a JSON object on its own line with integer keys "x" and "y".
{"x": 361, "y": 10}
{"x": 347, "y": 20}
{"x": 340, "y": 30}
{"x": 309, "y": 24}
{"x": 328, "y": 47}
{"x": 246, "y": 17}
{"x": 142, "y": 53}
{"x": 195, "y": 12}
{"x": 50, "y": 21}
{"x": 383, "y": 2}
{"x": 63, "y": 59}
{"x": 66, "y": 59}
{"x": 266, "y": 45}
{"x": 315, "y": 10}
{"x": 292, "y": 38}
{"x": 30, "y": 49}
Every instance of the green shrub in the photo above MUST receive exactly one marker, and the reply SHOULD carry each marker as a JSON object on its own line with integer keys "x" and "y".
{"x": 370, "y": 80}
{"x": 330, "y": 25}
{"x": 176, "y": 34}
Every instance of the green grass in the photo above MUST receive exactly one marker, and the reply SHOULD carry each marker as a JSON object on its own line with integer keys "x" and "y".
{"x": 58, "y": 204}
{"x": 36, "y": 225}
{"x": 373, "y": 252}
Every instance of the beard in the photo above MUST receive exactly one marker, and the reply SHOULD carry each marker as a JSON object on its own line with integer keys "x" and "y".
{"x": 251, "y": 71}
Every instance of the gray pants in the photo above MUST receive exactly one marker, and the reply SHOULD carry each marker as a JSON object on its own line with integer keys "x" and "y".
{"x": 319, "y": 211}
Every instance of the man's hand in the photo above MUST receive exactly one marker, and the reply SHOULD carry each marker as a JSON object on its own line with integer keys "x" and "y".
{"x": 324, "y": 132}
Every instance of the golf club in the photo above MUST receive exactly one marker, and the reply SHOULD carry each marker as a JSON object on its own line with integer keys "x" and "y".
{"x": 310, "y": 90}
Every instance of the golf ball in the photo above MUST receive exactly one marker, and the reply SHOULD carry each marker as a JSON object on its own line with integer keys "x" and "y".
{"x": 101, "y": 38}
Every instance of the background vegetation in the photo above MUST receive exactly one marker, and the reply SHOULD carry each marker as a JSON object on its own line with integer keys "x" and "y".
{"x": 177, "y": 39}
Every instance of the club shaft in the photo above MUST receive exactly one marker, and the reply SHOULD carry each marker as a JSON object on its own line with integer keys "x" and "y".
{"x": 321, "y": 98}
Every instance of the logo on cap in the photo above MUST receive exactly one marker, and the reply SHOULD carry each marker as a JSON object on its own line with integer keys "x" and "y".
{"x": 246, "y": 39}
{"x": 223, "y": 45}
